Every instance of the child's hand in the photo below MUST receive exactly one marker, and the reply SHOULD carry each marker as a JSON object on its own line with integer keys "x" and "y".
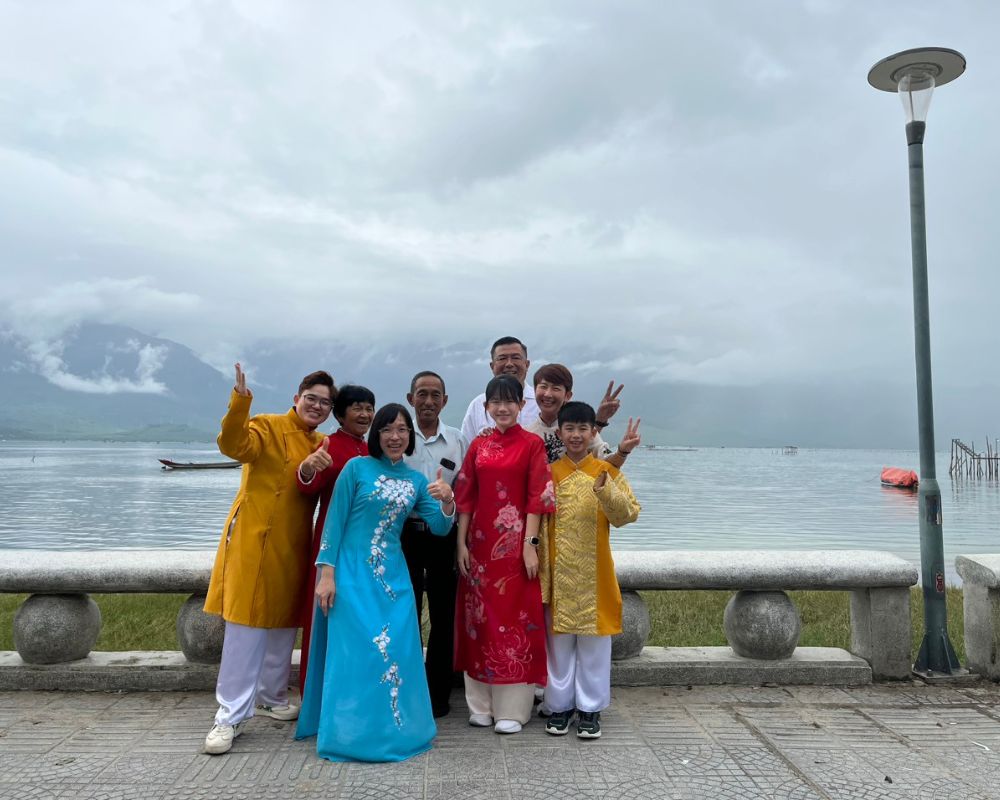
{"x": 530, "y": 560}
{"x": 601, "y": 480}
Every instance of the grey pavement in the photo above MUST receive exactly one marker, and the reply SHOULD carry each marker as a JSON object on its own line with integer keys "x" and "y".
{"x": 880, "y": 741}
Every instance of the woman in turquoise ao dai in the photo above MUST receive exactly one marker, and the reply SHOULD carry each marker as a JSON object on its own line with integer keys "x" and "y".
{"x": 366, "y": 695}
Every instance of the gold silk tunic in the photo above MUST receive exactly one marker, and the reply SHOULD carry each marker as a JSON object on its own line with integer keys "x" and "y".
{"x": 577, "y": 571}
{"x": 263, "y": 556}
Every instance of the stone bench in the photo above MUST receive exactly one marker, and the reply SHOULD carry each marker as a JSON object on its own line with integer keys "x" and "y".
{"x": 981, "y": 601}
{"x": 760, "y": 620}
{"x": 60, "y": 623}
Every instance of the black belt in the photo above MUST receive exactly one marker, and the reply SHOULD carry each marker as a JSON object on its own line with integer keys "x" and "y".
{"x": 417, "y": 524}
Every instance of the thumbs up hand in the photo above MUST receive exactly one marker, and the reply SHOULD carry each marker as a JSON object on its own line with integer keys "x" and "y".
{"x": 440, "y": 490}
{"x": 317, "y": 461}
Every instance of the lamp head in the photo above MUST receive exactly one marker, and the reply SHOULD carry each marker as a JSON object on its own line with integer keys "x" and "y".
{"x": 914, "y": 74}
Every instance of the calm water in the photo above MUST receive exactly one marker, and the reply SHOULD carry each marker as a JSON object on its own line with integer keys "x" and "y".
{"x": 92, "y": 496}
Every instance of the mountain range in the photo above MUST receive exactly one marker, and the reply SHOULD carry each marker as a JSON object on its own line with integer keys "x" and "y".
{"x": 111, "y": 382}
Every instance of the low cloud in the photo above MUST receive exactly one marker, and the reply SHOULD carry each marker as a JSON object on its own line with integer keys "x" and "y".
{"x": 47, "y": 359}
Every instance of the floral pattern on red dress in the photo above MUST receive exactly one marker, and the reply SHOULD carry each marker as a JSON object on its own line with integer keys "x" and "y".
{"x": 499, "y": 628}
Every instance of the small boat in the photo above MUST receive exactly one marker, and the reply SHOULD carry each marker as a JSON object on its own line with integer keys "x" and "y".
{"x": 790, "y": 450}
{"x": 899, "y": 478}
{"x": 168, "y": 464}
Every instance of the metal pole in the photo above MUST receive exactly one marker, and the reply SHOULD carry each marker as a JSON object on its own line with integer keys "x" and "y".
{"x": 936, "y": 652}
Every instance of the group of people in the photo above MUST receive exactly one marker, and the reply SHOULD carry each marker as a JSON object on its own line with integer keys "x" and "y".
{"x": 505, "y": 525}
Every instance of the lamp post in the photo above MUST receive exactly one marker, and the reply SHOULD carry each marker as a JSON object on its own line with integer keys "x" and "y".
{"x": 913, "y": 74}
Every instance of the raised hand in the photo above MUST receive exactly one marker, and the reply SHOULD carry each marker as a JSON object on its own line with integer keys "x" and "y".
{"x": 440, "y": 490}
{"x": 241, "y": 382}
{"x": 610, "y": 403}
{"x": 631, "y": 439}
{"x": 317, "y": 461}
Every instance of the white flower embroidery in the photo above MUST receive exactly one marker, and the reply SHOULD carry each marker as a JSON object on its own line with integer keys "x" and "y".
{"x": 391, "y": 675}
{"x": 397, "y": 498}
{"x": 382, "y": 642}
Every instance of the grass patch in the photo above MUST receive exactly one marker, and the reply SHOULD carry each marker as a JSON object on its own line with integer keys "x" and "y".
{"x": 694, "y": 618}
{"x": 678, "y": 619}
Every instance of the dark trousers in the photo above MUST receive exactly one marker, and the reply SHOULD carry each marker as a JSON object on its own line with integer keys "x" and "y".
{"x": 431, "y": 562}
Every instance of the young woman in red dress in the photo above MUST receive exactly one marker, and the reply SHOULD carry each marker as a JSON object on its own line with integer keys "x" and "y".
{"x": 502, "y": 491}
{"x": 354, "y": 409}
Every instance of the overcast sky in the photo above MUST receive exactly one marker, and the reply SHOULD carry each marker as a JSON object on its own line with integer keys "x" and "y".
{"x": 711, "y": 189}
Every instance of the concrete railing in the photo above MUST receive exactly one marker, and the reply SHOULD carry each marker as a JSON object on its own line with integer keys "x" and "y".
{"x": 59, "y": 623}
{"x": 760, "y": 620}
{"x": 981, "y": 604}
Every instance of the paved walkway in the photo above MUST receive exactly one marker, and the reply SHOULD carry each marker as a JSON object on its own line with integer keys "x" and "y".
{"x": 900, "y": 741}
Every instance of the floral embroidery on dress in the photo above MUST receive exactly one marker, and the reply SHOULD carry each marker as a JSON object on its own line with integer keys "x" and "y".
{"x": 397, "y": 496}
{"x": 490, "y": 451}
{"x": 549, "y": 496}
{"x": 508, "y": 655}
{"x": 391, "y": 675}
{"x": 382, "y": 642}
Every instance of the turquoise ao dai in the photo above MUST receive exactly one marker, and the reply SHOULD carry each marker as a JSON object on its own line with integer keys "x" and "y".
{"x": 366, "y": 695}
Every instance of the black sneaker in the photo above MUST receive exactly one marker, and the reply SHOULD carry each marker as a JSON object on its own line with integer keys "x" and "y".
{"x": 588, "y": 726}
{"x": 558, "y": 724}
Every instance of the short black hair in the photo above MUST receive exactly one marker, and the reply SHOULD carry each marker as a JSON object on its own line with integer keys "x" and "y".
{"x": 578, "y": 412}
{"x": 386, "y": 416}
{"x": 507, "y": 340}
{"x": 348, "y": 395}
{"x": 504, "y": 387}
{"x": 319, "y": 378}
{"x": 426, "y": 374}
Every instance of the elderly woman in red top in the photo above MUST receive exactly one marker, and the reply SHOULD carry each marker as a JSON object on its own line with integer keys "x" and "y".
{"x": 502, "y": 491}
{"x": 354, "y": 409}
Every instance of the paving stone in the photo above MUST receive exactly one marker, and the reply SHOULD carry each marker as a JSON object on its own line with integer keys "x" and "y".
{"x": 795, "y": 743}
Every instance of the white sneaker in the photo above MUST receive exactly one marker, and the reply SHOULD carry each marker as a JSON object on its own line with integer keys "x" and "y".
{"x": 285, "y": 713}
{"x": 507, "y": 726}
{"x": 220, "y": 738}
{"x": 480, "y": 720}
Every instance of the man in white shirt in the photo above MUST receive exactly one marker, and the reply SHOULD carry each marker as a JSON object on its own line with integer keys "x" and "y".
{"x": 508, "y": 356}
{"x": 431, "y": 559}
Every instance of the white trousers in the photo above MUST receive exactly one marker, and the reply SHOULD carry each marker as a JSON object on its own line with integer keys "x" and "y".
{"x": 579, "y": 671}
{"x": 254, "y": 669}
{"x": 501, "y": 701}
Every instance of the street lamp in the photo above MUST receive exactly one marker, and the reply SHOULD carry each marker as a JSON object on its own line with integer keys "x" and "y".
{"x": 914, "y": 74}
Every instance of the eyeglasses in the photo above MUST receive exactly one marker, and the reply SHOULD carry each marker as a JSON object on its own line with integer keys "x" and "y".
{"x": 398, "y": 430}
{"x": 316, "y": 400}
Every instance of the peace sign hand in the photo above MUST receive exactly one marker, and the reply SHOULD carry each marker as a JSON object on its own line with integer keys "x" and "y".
{"x": 631, "y": 439}
{"x": 610, "y": 403}
{"x": 241, "y": 382}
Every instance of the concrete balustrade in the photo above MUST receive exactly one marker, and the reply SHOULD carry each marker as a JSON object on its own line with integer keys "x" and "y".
{"x": 981, "y": 604}
{"x": 761, "y": 623}
{"x": 57, "y": 624}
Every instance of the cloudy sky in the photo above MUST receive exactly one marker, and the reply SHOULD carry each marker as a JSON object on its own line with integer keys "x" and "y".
{"x": 710, "y": 190}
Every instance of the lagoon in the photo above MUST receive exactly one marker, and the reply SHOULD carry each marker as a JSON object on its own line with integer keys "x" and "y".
{"x": 96, "y": 495}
